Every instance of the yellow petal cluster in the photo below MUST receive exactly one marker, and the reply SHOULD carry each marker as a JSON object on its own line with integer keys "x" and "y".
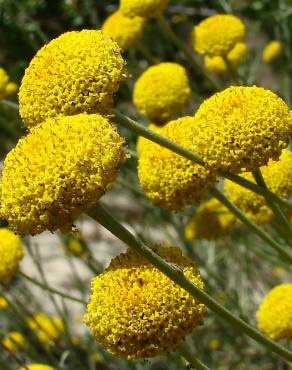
{"x": 37, "y": 367}
{"x": 217, "y": 35}
{"x": 241, "y": 128}
{"x": 3, "y": 303}
{"x": 142, "y": 8}
{"x": 47, "y": 329}
{"x": 278, "y": 177}
{"x": 215, "y": 64}
{"x": 168, "y": 179}
{"x": 123, "y": 30}
{"x": 6, "y": 87}
{"x": 272, "y": 51}
{"x": 75, "y": 73}
{"x": 14, "y": 341}
{"x": 274, "y": 316}
{"x": 211, "y": 221}
{"x": 56, "y": 172}
{"x": 11, "y": 253}
{"x": 135, "y": 311}
{"x": 141, "y": 141}
{"x": 162, "y": 91}
{"x": 237, "y": 54}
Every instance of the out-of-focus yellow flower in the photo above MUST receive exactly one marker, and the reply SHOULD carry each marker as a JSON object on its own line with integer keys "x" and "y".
{"x": 123, "y": 30}
{"x": 211, "y": 221}
{"x": 78, "y": 72}
{"x": 278, "y": 271}
{"x": 215, "y": 64}
{"x": 274, "y": 316}
{"x": 6, "y": 87}
{"x": 75, "y": 245}
{"x": 168, "y": 179}
{"x": 241, "y": 128}
{"x": 14, "y": 341}
{"x": 142, "y": 140}
{"x": 135, "y": 311}
{"x": 217, "y": 35}
{"x": 162, "y": 91}
{"x": 47, "y": 329}
{"x": 142, "y": 8}
{"x": 11, "y": 253}
{"x": 11, "y": 88}
{"x": 272, "y": 51}
{"x": 37, "y": 367}
{"x": 214, "y": 344}
{"x": 237, "y": 54}
{"x": 3, "y": 303}
{"x": 57, "y": 171}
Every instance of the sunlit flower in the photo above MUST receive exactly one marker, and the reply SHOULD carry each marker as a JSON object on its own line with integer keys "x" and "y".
{"x": 142, "y": 8}
{"x": 47, "y": 329}
{"x": 272, "y": 51}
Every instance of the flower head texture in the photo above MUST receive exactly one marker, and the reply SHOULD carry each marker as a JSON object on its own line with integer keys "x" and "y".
{"x": 37, "y": 367}
{"x": 274, "y": 316}
{"x": 135, "y": 311}
{"x": 237, "y": 54}
{"x": 211, "y": 221}
{"x": 78, "y": 72}
{"x": 123, "y": 30}
{"x": 215, "y": 64}
{"x": 47, "y": 329}
{"x": 162, "y": 91}
{"x": 11, "y": 253}
{"x": 241, "y": 128}
{"x": 272, "y": 51}
{"x": 142, "y": 8}
{"x": 14, "y": 341}
{"x": 141, "y": 141}
{"x": 278, "y": 178}
{"x": 169, "y": 180}
{"x": 59, "y": 170}
{"x": 217, "y": 35}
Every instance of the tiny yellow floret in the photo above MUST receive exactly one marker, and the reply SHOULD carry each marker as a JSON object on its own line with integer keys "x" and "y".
{"x": 59, "y": 170}
{"x": 11, "y": 253}
{"x": 37, "y": 367}
{"x": 14, "y": 341}
{"x": 142, "y": 140}
{"x": 162, "y": 92}
{"x": 237, "y": 54}
{"x": 142, "y": 8}
{"x": 274, "y": 316}
{"x": 135, "y": 311}
{"x": 272, "y": 51}
{"x": 6, "y": 87}
{"x": 241, "y": 128}
{"x": 47, "y": 329}
{"x": 3, "y": 303}
{"x": 78, "y": 72}
{"x": 215, "y": 64}
{"x": 168, "y": 179}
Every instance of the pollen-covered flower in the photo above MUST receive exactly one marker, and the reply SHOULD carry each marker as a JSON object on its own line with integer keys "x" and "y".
{"x": 47, "y": 329}
{"x": 11, "y": 253}
{"x": 215, "y": 64}
{"x": 142, "y": 8}
{"x": 217, "y": 35}
{"x": 14, "y": 341}
{"x": 241, "y": 128}
{"x": 278, "y": 178}
{"x": 141, "y": 141}
{"x": 37, "y": 367}
{"x": 168, "y": 179}
{"x": 78, "y": 72}
{"x": 272, "y": 51}
{"x": 211, "y": 221}
{"x": 135, "y": 311}
{"x": 59, "y": 170}
{"x": 162, "y": 91}
{"x": 123, "y": 30}
{"x": 3, "y": 303}
{"x": 274, "y": 316}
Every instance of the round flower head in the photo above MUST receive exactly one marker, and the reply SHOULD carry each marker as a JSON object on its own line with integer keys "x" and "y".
{"x": 11, "y": 253}
{"x": 237, "y": 54}
{"x": 125, "y": 31}
{"x": 274, "y": 316}
{"x": 56, "y": 172}
{"x": 141, "y": 141}
{"x": 211, "y": 221}
{"x": 47, "y": 329}
{"x": 241, "y": 128}
{"x": 217, "y": 35}
{"x": 75, "y": 73}
{"x": 37, "y": 367}
{"x": 162, "y": 91}
{"x": 215, "y": 64}
{"x": 168, "y": 179}
{"x": 142, "y": 8}
{"x": 3, "y": 81}
{"x": 14, "y": 341}
{"x": 272, "y": 51}
{"x": 278, "y": 177}
{"x": 135, "y": 311}
{"x": 3, "y": 303}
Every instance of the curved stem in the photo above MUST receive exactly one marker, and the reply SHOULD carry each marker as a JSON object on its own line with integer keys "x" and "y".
{"x": 100, "y": 214}
{"x": 185, "y": 352}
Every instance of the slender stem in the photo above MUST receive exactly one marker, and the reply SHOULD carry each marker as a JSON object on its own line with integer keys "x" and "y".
{"x": 101, "y": 215}
{"x": 49, "y": 289}
{"x": 10, "y": 104}
{"x": 185, "y": 352}
{"x": 14, "y": 356}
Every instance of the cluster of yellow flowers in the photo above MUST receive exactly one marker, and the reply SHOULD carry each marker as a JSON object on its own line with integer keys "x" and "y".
{"x": 47, "y": 329}
{"x": 6, "y": 87}
{"x": 14, "y": 341}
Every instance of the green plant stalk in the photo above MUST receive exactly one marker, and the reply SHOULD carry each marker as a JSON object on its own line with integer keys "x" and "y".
{"x": 100, "y": 214}
{"x": 14, "y": 356}
{"x": 185, "y": 352}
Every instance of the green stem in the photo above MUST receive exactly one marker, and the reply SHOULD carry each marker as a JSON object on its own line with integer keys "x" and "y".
{"x": 100, "y": 214}
{"x": 185, "y": 352}
{"x": 14, "y": 356}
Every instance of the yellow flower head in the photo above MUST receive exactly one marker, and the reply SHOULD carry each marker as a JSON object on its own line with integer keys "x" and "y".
{"x": 237, "y": 54}
{"x": 123, "y": 30}
{"x": 75, "y": 245}
{"x": 211, "y": 221}
{"x": 272, "y": 51}
{"x": 168, "y": 179}
{"x": 47, "y": 329}
{"x": 215, "y": 64}
{"x": 3, "y": 303}
{"x": 142, "y": 8}
{"x": 278, "y": 177}
{"x": 274, "y": 316}
{"x": 56, "y": 172}
{"x": 214, "y": 344}
{"x": 37, "y": 367}
{"x": 241, "y": 128}
{"x": 14, "y": 341}
{"x": 135, "y": 311}
{"x": 11, "y": 88}
{"x": 141, "y": 141}
{"x": 75, "y": 73}
{"x": 162, "y": 91}
{"x": 217, "y": 35}
{"x": 11, "y": 253}
{"x": 6, "y": 87}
